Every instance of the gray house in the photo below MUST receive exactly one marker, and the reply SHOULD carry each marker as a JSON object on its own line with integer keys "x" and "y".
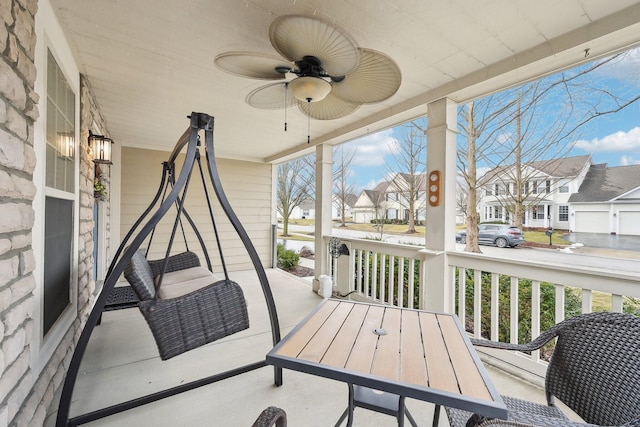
{"x": 608, "y": 201}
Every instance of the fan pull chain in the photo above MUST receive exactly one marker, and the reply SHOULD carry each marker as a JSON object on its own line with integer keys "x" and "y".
{"x": 309, "y": 122}
{"x": 286, "y": 86}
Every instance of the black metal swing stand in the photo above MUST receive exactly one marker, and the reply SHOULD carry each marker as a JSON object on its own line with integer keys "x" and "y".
{"x": 175, "y": 189}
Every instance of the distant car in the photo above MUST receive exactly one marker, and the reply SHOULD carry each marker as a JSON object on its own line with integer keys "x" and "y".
{"x": 501, "y": 235}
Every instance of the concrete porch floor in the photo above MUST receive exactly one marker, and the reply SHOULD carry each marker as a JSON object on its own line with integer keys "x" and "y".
{"x": 122, "y": 363}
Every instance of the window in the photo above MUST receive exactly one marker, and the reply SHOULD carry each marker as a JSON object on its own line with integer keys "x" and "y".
{"x": 498, "y": 212}
{"x": 489, "y": 192}
{"x": 547, "y": 186}
{"x": 534, "y": 187}
{"x": 59, "y": 204}
{"x": 538, "y": 212}
{"x": 526, "y": 187}
{"x": 563, "y": 213}
{"x": 564, "y": 189}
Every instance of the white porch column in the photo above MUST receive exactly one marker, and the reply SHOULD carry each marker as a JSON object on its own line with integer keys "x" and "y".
{"x": 441, "y": 215}
{"x": 324, "y": 183}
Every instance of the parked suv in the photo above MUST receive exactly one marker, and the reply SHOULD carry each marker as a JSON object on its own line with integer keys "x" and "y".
{"x": 501, "y": 235}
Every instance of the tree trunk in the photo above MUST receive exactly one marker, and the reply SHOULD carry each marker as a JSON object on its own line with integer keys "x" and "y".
{"x": 472, "y": 216}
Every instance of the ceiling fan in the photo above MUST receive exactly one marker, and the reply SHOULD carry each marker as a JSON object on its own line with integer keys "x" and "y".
{"x": 322, "y": 70}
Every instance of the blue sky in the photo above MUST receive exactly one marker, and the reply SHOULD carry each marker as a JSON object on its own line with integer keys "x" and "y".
{"x": 613, "y": 139}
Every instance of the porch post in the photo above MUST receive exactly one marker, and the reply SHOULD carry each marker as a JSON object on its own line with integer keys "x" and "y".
{"x": 324, "y": 183}
{"x": 441, "y": 204}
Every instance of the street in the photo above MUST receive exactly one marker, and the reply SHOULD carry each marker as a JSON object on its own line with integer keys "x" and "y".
{"x": 614, "y": 260}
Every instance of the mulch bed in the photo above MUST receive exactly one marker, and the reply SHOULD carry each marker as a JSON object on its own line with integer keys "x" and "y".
{"x": 301, "y": 271}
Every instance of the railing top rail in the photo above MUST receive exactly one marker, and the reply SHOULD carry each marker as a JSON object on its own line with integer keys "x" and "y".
{"x": 595, "y": 278}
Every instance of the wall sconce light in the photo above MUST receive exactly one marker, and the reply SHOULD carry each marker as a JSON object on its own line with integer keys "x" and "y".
{"x": 66, "y": 144}
{"x": 101, "y": 148}
{"x": 615, "y": 214}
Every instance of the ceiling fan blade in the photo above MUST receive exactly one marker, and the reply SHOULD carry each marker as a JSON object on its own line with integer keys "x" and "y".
{"x": 271, "y": 97}
{"x": 253, "y": 65}
{"x": 329, "y": 108}
{"x": 376, "y": 78}
{"x": 296, "y": 36}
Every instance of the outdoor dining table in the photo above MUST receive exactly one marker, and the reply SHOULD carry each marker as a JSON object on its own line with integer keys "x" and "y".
{"x": 412, "y": 353}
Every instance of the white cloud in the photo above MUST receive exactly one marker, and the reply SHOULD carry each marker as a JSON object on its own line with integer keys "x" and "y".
{"x": 626, "y": 67}
{"x": 619, "y": 141}
{"x": 372, "y": 149}
{"x": 628, "y": 160}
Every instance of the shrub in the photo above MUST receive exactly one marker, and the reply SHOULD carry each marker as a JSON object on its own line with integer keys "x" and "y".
{"x": 287, "y": 258}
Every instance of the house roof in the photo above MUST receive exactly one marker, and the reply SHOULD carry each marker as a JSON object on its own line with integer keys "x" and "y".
{"x": 603, "y": 184}
{"x": 374, "y": 196}
{"x": 566, "y": 167}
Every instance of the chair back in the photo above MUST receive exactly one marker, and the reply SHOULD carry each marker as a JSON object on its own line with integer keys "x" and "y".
{"x": 139, "y": 275}
{"x": 595, "y": 367}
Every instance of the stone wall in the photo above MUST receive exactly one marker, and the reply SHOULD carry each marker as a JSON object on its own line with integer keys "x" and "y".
{"x": 25, "y": 395}
{"x": 18, "y": 112}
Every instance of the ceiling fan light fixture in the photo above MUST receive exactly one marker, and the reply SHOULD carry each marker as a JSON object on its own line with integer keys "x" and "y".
{"x": 310, "y": 89}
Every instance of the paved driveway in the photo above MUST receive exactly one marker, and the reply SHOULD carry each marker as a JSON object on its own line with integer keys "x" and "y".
{"x": 607, "y": 241}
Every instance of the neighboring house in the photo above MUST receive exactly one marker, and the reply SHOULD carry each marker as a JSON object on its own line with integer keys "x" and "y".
{"x": 397, "y": 197}
{"x": 350, "y": 201}
{"x": 608, "y": 201}
{"x": 389, "y": 200}
{"x": 546, "y": 188}
{"x": 307, "y": 209}
{"x": 370, "y": 205}
{"x": 567, "y": 194}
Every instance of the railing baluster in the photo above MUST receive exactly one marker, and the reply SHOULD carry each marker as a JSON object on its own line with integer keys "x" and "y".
{"x": 392, "y": 266}
{"x": 410, "y": 283}
{"x": 374, "y": 277}
{"x": 367, "y": 274}
{"x": 514, "y": 310}
{"x": 401, "y": 282}
{"x": 617, "y": 303}
{"x": 587, "y": 301}
{"x": 360, "y": 253}
{"x": 495, "y": 306}
{"x": 462, "y": 290}
{"x": 477, "y": 303}
{"x": 559, "y": 303}
{"x": 383, "y": 276}
{"x": 535, "y": 315}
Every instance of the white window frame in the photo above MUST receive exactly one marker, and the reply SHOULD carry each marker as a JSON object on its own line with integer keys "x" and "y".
{"x": 50, "y": 37}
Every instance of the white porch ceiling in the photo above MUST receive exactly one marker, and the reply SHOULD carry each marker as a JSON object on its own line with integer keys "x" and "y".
{"x": 150, "y": 62}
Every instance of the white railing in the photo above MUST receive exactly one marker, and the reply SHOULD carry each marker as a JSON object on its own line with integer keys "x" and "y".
{"x": 571, "y": 289}
{"x": 488, "y": 288}
{"x": 379, "y": 272}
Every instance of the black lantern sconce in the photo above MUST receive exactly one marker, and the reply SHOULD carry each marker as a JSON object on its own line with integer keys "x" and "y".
{"x": 101, "y": 147}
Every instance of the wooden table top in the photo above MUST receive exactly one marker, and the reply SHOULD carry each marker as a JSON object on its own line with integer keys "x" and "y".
{"x": 408, "y": 352}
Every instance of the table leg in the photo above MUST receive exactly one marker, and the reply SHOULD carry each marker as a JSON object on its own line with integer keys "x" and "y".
{"x": 436, "y": 416}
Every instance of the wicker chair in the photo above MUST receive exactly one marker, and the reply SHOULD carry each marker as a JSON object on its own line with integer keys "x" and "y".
{"x": 272, "y": 416}
{"x": 594, "y": 370}
{"x": 193, "y": 318}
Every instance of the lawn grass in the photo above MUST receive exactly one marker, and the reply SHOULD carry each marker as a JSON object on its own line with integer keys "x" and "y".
{"x": 541, "y": 237}
{"x": 529, "y": 236}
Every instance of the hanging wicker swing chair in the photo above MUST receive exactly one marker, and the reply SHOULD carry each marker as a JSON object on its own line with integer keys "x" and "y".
{"x": 184, "y": 303}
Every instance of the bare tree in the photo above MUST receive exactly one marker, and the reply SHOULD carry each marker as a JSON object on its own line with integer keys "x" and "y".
{"x": 295, "y": 183}
{"x": 343, "y": 183}
{"x": 410, "y": 160}
{"x": 535, "y": 123}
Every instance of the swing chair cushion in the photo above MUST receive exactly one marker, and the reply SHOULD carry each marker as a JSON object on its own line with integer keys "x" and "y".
{"x": 178, "y": 283}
